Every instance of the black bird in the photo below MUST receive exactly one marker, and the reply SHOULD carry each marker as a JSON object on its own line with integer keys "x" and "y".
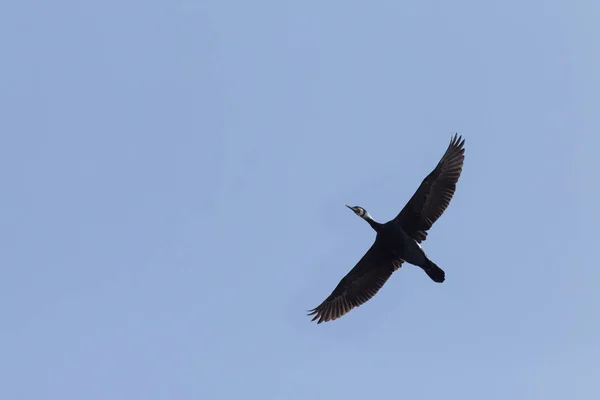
{"x": 398, "y": 240}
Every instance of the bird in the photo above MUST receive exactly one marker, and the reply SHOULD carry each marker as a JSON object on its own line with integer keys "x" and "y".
{"x": 398, "y": 240}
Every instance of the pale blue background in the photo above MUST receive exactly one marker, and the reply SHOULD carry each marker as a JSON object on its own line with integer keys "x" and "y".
{"x": 173, "y": 178}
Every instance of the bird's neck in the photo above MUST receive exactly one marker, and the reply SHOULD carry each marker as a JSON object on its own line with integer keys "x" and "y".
{"x": 374, "y": 224}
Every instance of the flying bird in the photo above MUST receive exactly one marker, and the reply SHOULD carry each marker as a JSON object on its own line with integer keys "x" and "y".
{"x": 398, "y": 240}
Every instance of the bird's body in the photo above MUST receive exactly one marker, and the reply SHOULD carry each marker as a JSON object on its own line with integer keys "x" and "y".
{"x": 398, "y": 240}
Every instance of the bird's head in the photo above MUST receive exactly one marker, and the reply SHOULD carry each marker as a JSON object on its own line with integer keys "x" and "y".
{"x": 361, "y": 212}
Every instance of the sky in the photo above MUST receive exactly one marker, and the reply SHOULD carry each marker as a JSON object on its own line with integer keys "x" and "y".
{"x": 174, "y": 175}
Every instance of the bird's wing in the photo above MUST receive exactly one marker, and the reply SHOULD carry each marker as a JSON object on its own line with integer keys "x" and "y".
{"x": 433, "y": 196}
{"x": 359, "y": 285}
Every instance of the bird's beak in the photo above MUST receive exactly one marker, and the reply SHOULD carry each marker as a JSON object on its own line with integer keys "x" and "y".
{"x": 349, "y": 207}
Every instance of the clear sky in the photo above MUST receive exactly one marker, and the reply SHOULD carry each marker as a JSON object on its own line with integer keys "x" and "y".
{"x": 173, "y": 179}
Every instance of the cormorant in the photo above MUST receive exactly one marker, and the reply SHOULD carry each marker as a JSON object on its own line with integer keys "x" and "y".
{"x": 397, "y": 240}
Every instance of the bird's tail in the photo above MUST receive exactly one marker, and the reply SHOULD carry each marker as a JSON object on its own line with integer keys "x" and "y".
{"x": 434, "y": 272}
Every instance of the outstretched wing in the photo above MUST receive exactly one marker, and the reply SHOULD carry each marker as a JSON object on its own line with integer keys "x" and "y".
{"x": 433, "y": 196}
{"x": 359, "y": 285}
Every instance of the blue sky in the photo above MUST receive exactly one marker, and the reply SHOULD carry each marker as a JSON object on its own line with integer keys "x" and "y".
{"x": 174, "y": 177}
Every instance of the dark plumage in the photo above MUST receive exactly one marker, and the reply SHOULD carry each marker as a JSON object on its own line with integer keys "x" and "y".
{"x": 397, "y": 241}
